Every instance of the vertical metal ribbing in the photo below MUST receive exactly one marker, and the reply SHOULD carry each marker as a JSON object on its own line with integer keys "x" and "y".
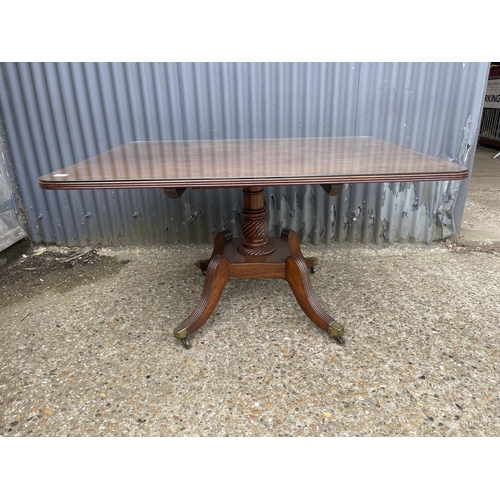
{"x": 56, "y": 114}
{"x": 8, "y": 105}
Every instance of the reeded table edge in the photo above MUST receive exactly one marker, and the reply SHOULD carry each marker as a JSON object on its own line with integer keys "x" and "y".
{"x": 253, "y": 181}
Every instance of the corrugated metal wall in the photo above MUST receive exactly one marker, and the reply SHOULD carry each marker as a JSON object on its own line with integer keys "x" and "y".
{"x": 56, "y": 114}
{"x": 10, "y": 228}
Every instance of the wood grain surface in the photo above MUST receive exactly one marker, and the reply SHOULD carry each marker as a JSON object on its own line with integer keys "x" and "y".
{"x": 253, "y": 162}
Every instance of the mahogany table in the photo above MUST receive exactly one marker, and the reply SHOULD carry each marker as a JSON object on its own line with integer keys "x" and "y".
{"x": 252, "y": 164}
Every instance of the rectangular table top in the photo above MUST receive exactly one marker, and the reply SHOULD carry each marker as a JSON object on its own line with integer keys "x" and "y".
{"x": 247, "y": 162}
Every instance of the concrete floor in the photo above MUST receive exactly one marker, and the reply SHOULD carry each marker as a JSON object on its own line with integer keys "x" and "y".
{"x": 88, "y": 350}
{"x": 481, "y": 219}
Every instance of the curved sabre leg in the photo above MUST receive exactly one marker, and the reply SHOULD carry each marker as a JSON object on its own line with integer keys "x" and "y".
{"x": 292, "y": 239}
{"x": 215, "y": 281}
{"x": 297, "y": 276}
{"x": 221, "y": 239}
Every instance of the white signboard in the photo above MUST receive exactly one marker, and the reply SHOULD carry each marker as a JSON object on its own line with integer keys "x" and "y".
{"x": 492, "y": 97}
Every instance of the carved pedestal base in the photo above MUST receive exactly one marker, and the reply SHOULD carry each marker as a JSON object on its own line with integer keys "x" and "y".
{"x": 278, "y": 258}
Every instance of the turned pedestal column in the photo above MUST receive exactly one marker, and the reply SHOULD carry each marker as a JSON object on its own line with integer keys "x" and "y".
{"x": 254, "y": 225}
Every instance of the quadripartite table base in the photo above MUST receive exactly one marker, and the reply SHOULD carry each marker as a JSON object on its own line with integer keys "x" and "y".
{"x": 257, "y": 256}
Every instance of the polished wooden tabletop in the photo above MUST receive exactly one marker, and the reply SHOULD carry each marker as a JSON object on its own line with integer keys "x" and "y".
{"x": 252, "y": 162}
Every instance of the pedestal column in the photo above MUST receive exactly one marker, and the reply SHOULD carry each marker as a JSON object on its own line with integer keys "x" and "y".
{"x": 254, "y": 224}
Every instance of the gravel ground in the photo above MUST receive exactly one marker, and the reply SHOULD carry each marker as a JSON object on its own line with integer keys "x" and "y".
{"x": 87, "y": 348}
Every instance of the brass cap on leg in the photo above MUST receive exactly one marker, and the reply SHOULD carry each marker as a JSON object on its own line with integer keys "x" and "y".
{"x": 336, "y": 330}
{"x": 181, "y": 332}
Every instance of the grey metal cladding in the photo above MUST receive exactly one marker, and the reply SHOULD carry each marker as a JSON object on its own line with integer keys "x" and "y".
{"x": 56, "y": 114}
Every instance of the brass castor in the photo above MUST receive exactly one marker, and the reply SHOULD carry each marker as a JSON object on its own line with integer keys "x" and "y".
{"x": 181, "y": 333}
{"x": 339, "y": 340}
{"x": 314, "y": 262}
{"x": 336, "y": 331}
